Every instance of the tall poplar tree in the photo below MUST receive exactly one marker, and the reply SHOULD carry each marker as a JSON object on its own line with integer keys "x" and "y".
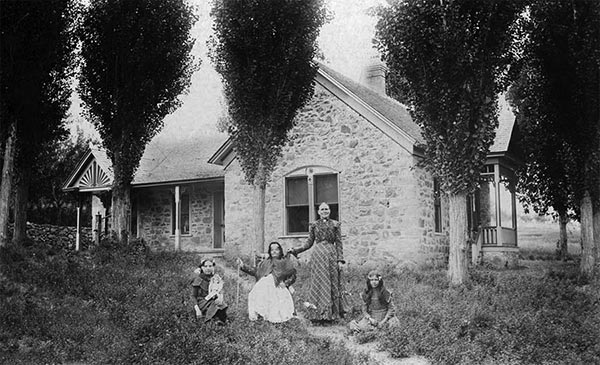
{"x": 136, "y": 63}
{"x": 37, "y": 61}
{"x": 453, "y": 56}
{"x": 264, "y": 51}
{"x": 563, "y": 46}
{"x": 543, "y": 180}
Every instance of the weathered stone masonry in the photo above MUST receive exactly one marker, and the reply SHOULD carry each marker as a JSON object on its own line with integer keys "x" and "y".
{"x": 155, "y": 217}
{"x": 386, "y": 200}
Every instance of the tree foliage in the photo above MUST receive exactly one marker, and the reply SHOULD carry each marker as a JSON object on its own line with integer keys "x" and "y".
{"x": 37, "y": 62}
{"x": 136, "y": 62}
{"x": 455, "y": 57}
{"x": 264, "y": 51}
{"x": 48, "y": 204}
{"x": 543, "y": 180}
{"x": 563, "y": 51}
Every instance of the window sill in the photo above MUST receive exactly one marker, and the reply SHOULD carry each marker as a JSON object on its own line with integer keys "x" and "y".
{"x": 298, "y": 235}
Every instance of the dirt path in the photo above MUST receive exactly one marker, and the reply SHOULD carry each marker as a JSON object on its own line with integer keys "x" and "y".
{"x": 335, "y": 333}
{"x": 376, "y": 357}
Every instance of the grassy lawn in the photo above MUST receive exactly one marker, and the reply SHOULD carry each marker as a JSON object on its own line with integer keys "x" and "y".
{"x": 131, "y": 306}
{"x": 537, "y": 239}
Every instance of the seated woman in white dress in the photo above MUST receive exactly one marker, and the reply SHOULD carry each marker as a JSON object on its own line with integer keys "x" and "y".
{"x": 270, "y": 298}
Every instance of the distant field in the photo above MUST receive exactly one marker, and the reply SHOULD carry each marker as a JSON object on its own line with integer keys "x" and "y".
{"x": 539, "y": 238}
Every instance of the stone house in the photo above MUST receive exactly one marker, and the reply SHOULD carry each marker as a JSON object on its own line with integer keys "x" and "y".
{"x": 353, "y": 147}
{"x": 177, "y": 196}
{"x": 359, "y": 150}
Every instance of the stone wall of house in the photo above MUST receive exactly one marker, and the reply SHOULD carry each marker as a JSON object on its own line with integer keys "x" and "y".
{"x": 386, "y": 201}
{"x": 154, "y": 219}
{"x": 434, "y": 244}
{"x": 57, "y": 236}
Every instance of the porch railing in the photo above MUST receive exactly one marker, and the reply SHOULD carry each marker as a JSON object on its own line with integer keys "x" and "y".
{"x": 489, "y": 235}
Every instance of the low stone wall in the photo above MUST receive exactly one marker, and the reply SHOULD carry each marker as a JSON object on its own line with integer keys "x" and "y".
{"x": 57, "y": 236}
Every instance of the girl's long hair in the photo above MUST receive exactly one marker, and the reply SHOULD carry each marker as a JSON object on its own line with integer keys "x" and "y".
{"x": 280, "y": 250}
{"x": 384, "y": 294}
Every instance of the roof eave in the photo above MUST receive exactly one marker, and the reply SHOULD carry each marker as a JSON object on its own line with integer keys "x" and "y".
{"x": 75, "y": 172}
{"x": 178, "y": 182}
{"x": 220, "y": 156}
{"x": 360, "y": 106}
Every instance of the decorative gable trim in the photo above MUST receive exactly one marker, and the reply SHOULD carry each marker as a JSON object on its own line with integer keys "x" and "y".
{"x": 371, "y": 115}
{"x": 90, "y": 174}
{"x": 93, "y": 177}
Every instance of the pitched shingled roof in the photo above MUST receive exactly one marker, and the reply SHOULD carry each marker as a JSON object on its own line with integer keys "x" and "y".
{"x": 180, "y": 160}
{"x": 166, "y": 162}
{"x": 391, "y": 109}
{"x": 506, "y": 126}
{"x": 397, "y": 114}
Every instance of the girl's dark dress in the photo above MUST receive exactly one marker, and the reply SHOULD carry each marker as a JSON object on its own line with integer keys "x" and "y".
{"x": 210, "y": 308}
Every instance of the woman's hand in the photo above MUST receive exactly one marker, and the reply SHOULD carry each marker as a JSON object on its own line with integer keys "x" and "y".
{"x": 240, "y": 263}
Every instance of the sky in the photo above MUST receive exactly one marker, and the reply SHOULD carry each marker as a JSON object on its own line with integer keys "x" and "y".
{"x": 346, "y": 43}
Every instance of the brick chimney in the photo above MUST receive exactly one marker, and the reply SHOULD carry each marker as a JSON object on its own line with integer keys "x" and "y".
{"x": 373, "y": 75}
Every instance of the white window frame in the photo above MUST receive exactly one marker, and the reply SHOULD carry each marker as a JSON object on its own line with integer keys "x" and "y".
{"x": 309, "y": 172}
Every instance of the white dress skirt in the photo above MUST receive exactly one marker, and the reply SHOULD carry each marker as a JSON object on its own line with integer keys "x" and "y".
{"x": 272, "y": 303}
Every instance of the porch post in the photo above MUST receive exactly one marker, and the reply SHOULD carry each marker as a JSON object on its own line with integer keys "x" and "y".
{"x": 97, "y": 228}
{"x": 499, "y": 241}
{"x": 513, "y": 196}
{"x": 78, "y": 228}
{"x": 177, "y": 219}
{"x": 311, "y": 197}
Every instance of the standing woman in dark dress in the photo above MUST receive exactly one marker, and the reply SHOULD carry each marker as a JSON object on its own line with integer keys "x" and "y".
{"x": 324, "y": 302}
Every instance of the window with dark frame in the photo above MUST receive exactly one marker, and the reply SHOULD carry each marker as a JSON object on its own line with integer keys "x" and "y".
{"x": 184, "y": 206}
{"x": 437, "y": 205}
{"x": 304, "y": 194}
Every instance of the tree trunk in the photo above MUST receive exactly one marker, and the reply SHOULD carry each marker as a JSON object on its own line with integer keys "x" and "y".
{"x": 6, "y": 185}
{"x": 562, "y": 249}
{"x": 588, "y": 254}
{"x": 260, "y": 218}
{"x": 121, "y": 201}
{"x": 21, "y": 199}
{"x": 457, "y": 265}
{"x": 597, "y": 232}
{"x": 260, "y": 189}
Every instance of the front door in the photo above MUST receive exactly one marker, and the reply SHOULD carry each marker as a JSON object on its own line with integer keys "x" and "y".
{"x": 219, "y": 219}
